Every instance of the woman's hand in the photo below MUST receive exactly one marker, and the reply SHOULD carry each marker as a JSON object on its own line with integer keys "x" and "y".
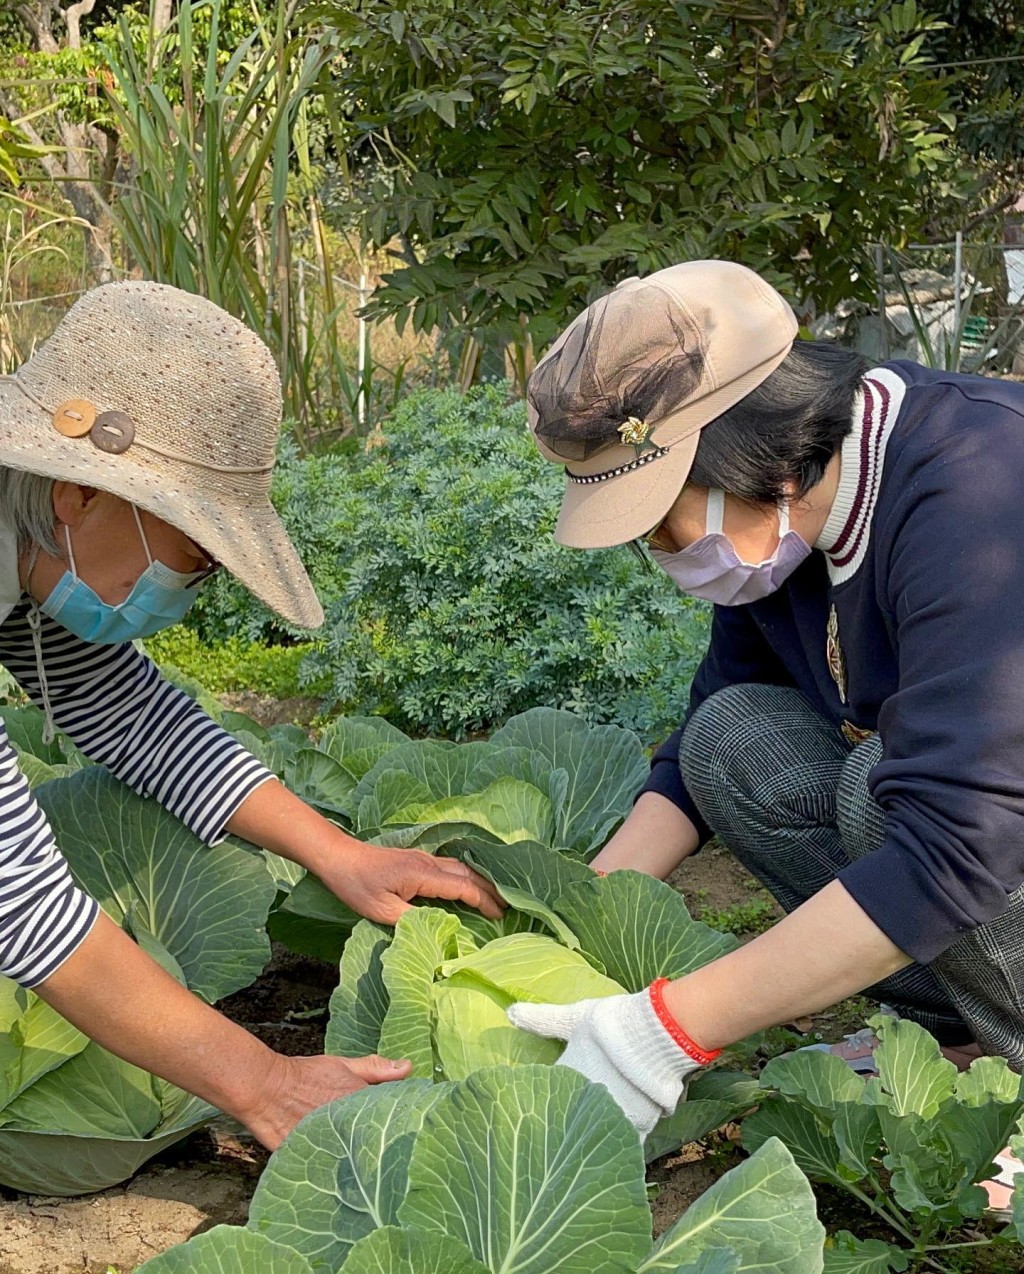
{"x": 117, "y": 995}
{"x": 295, "y": 1086}
{"x": 375, "y": 881}
{"x": 380, "y": 883}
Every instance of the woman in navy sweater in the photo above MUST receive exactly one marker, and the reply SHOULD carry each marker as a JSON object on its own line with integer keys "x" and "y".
{"x": 855, "y": 733}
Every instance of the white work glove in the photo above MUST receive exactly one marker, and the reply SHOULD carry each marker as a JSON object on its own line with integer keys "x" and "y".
{"x": 628, "y": 1043}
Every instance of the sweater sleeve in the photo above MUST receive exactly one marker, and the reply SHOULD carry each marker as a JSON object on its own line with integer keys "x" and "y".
{"x": 951, "y": 780}
{"x": 115, "y": 705}
{"x": 738, "y": 654}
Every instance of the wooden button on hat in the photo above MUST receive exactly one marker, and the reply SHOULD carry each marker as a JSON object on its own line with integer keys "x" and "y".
{"x": 74, "y": 418}
{"x": 113, "y": 432}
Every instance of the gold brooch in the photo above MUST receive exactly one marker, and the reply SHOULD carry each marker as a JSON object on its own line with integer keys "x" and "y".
{"x": 633, "y": 431}
{"x": 834, "y": 654}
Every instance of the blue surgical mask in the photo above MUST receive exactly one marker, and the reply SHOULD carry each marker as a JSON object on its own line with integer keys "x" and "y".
{"x": 159, "y": 599}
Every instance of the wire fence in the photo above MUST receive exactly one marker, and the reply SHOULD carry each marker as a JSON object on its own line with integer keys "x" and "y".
{"x": 957, "y": 306}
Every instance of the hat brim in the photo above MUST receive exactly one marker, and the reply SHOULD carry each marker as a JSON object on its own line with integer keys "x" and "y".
{"x": 237, "y": 526}
{"x": 601, "y": 515}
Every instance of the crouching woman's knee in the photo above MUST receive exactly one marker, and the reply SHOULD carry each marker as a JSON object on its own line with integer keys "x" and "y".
{"x": 743, "y": 743}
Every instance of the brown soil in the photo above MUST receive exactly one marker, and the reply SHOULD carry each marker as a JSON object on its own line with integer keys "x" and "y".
{"x": 209, "y": 1178}
{"x": 266, "y": 711}
{"x": 287, "y": 1007}
{"x": 203, "y": 1181}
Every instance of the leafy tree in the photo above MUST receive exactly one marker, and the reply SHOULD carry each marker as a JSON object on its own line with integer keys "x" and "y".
{"x": 55, "y": 84}
{"x": 77, "y": 151}
{"x": 529, "y": 156}
{"x": 983, "y": 43}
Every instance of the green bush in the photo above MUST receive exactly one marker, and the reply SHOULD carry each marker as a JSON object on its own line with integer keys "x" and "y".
{"x": 233, "y": 664}
{"x": 310, "y": 494}
{"x": 449, "y": 606}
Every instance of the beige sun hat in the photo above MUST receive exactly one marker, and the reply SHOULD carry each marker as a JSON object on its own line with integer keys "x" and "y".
{"x": 164, "y": 399}
{"x": 622, "y": 395}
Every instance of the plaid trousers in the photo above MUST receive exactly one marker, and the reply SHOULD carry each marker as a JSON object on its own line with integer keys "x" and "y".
{"x": 785, "y": 791}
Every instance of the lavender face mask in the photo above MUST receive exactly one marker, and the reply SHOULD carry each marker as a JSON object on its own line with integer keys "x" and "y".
{"x": 711, "y": 569}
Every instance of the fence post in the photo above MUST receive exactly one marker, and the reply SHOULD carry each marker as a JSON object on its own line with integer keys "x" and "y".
{"x": 303, "y": 330}
{"x": 880, "y": 286}
{"x": 958, "y": 278}
{"x": 362, "y": 355}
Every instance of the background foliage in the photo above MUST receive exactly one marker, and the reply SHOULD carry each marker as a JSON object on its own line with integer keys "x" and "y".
{"x": 529, "y": 157}
{"x": 450, "y": 607}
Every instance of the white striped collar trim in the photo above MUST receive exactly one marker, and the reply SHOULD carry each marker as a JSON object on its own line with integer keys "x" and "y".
{"x": 845, "y": 535}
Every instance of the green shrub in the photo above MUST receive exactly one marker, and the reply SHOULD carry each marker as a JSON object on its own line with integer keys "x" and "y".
{"x": 232, "y": 664}
{"x": 310, "y": 494}
{"x": 449, "y": 606}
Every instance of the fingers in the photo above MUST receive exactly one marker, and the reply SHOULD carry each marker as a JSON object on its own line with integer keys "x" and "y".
{"x": 375, "y": 1069}
{"x": 450, "y": 879}
{"x": 553, "y": 1021}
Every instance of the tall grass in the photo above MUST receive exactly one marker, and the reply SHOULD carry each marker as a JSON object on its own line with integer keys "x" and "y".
{"x": 222, "y": 186}
{"x": 971, "y": 340}
{"x": 28, "y": 246}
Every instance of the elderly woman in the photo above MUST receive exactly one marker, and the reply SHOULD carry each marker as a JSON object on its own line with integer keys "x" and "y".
{"x": 855, "y": 733}
{"x": 137, "y": 446}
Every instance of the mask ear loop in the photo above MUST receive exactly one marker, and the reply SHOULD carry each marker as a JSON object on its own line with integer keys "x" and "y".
{"x": 34, "y": 619}
{"x": 71, "y": 552}
{"x": 783, "y": 520}
{"x": 145, "y": 542}
{"x": 716, "y": 511}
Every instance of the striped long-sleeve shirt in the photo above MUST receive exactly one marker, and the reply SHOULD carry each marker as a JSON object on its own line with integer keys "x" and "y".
{"x": 114, "y": 704}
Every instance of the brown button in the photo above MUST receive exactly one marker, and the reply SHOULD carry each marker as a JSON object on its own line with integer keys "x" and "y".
{"x": 114, "y": 431}
{"x": 74, "y": 418}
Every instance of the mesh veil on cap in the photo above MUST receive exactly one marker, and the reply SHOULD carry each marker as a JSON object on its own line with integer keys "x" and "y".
{"x": 666, "y": 354}
{"x": 204, "y": 398}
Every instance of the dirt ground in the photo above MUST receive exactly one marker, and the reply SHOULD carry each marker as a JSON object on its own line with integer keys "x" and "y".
{"x": 209, "y": 1178}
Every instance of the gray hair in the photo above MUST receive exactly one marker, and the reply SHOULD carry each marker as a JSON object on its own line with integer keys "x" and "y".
{"x": 26, "y": 505}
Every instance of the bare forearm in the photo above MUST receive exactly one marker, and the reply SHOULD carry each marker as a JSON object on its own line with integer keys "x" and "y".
{"x": 118, "y": 996}
{"x": 654, "y": 839}
{"x": 276, "y": 819}
{"x": 824, "y": 951}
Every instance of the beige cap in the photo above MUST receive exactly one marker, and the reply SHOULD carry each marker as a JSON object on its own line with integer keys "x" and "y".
{"x": 164, "y": 399}
{"x": 622, "y": 395}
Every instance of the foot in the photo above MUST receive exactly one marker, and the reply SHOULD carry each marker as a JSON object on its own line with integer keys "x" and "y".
{"x": 1000, "y": 1188}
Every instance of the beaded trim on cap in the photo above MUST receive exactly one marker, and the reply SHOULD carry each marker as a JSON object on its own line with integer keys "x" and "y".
{"x": 584, "y": 479}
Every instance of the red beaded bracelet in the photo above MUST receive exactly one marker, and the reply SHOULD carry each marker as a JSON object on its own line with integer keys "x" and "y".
{"x": 701, "y": 1055}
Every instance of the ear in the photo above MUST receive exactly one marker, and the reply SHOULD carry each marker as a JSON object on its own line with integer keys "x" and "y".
{"x": 71, "y": 502}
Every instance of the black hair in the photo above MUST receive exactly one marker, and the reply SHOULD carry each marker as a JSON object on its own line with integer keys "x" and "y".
{"x": 783, "y": 434}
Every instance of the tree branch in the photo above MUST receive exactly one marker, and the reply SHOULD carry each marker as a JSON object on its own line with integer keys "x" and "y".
{"x": 73, "y": 17}
{"x": 50, "y": 164}
{"x": 162, "y": 13}
{"x": 38, "y": 18}
{"x": 1001, "y": 205}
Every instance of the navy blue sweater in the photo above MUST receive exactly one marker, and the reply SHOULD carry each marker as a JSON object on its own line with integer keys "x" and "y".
{"x": 923, "y": 559}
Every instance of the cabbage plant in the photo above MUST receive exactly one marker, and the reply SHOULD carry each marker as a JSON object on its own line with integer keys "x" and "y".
{"x": 74, "y": 1118}
{"x": 522, "y": 1170}
{"x": 911, "y": 1145}
{"x": 435, "y": 988}
{"x": 545, "y": 777}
